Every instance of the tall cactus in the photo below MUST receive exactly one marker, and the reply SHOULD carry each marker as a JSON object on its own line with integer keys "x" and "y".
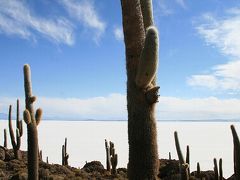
{"x": 236, "y": 153}
{"x": 19, "y": 132}
{"x": 32, "y": 120}
{"x": 141, "y": 46}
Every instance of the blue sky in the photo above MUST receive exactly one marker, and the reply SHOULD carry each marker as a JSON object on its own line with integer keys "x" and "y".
{"x": 76, "y": 53}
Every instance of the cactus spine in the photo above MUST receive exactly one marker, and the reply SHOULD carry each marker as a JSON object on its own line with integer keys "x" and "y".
{"x": 141, "y": 88}
{"x": 32, "y": 120}
{"x": 5, "y": 139}
{"x": 65, "y": 155}
{"x": 236, "y": 153}
{"x": 19, "y": 132}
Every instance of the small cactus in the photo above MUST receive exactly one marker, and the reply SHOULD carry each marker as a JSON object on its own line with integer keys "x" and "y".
{"x": 15, "y": 143}
{"x": 220, "y": 169}
{"x": 65, "y": 155}
{"x": 111, "y": 157}
{"x": 236, "y": 153}
{"x": 184, "y": 167}
{"x": 40, "y": 155}
{"x": 169, "y": 156}
{"x": 108, "y": 161}
{"x": 32, "y": 120}
{"x": 114, "y": 158}
{"x": 198, "y": 170}
{"x": 188, "y": 158}
{"x": 5, "y": 139}
{"x": 216, "y": 177}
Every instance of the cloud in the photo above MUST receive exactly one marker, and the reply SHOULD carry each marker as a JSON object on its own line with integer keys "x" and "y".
{"x": 85, "y": 12}
{"x": 17, "y": 19}
{"x": 118, "y": 33}
{"x": 114, "y": 107}
{"x": 181, "y": 3}
{"x": 222, "y": 33}
{"x": 163, "y": 9}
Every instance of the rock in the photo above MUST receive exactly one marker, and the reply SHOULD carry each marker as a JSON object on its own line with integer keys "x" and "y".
{"x": 94, "y": 166}
{"x": 2, "y": 153}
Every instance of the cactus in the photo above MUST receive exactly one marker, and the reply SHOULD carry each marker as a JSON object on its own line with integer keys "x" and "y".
{"x": 220, "y": 169}
{"x": 169, "y": 156}
{"x": 65, "y": 155}
{"x": 178, "y": 148}
{"x": 236, "y": 153}
{"x": 47, "y": 160}
{"x": 113, "y": 158}
{"x": 188, "y": 158}
{"x": 32, "y": 120}
{"x": 184, "y": 167}
{"x": 198, "y": 170}
{"x": 19, "y": 132}
{"x": 5, "y": 139}
{"x": 40, "y": 155}
{"x": 108, "y": 162}
{"x": 141, "y": 45}
{"x": 216, "y": 177}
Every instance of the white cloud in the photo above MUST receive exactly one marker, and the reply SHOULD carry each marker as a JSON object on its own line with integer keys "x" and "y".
{"x": 163, "y": 9}
{"x": 17, "y": 19}
{"x": 222, "y": 33}
{"x": 85, "y": 12}
{"x": 182, "y": 3}
{"x": 118, "y": 33}
{"x": 113, "y": 107}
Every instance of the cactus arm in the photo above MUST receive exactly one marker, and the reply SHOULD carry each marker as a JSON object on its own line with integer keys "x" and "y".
{"x": 38, "y": 116}
{"x": 26, "y": 117}
{"x": 148, "y": 63}
{"x": 11, "y": 128}
{"x": 147, "y": 13}
{"x": 18, "y": 138}
{"x": 178, "y": 148}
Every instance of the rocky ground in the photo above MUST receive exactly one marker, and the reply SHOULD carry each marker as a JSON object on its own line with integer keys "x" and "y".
{"x": 11, "y": 168}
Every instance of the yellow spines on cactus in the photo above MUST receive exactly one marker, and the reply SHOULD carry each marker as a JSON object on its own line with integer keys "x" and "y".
{"x": 148, "y": 62}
